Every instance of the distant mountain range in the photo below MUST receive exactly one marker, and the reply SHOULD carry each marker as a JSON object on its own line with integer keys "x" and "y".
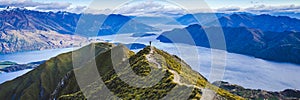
{"x": 65, "y": 22}
{"x": 204, "y": 18}
{"x": 290, "y": 14}
{"x": 276, "y": 46}
{"x": 22, "y": 29}
{"x": 262, "y": 22}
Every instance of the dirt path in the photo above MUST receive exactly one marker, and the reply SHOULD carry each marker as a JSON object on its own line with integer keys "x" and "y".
{"x": 152, "y": 59}
{"x": 207, "y": 93}
{"x": 176, "y": 75}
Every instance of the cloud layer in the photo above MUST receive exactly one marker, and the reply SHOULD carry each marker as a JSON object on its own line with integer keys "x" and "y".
{"x": 42, "y": 6}
{"x": 150, "y": 8}
{"x": 37, "y": 5}
{"x": 262, "y": 9}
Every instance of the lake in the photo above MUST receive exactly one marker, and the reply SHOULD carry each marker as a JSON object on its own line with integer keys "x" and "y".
{"x": 239, "y": 69}
{"x": 33, "y": 56}
{"x": 247, "y": 71}
{"x": 27, "y": 57}
{"x": 9, "y": 76}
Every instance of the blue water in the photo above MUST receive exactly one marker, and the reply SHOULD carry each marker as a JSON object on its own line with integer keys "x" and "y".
{"x": 33, "y": 56}
{"x": 27, "y": 57}
{"x": 12, "y": 75}
{"x": 244, "y": 70}
{"x": 239, "y": 69}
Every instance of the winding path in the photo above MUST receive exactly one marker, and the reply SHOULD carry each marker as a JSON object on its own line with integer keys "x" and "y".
{"x": 176, "y": 75}
{"x": 207, "y": 93}
{"x": 151, "y": 59}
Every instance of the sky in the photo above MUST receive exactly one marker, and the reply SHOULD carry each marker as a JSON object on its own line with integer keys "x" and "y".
{"x": 192, "y": 3}
{"x": 149, "y": 6}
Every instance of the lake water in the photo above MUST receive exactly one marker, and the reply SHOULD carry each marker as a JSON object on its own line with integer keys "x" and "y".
{"x": 9, "y": 76}
{"x": 27, "y": 57}
{"x": 33, "y": 56}
{"x": 239, "y": 69}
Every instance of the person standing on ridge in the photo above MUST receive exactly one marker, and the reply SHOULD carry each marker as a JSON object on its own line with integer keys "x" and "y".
{"x": 150, "y": 42}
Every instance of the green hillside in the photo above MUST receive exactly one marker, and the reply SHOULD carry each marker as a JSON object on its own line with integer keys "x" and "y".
{"x": 149, "y": 74}
{"x": 41, "y": 82}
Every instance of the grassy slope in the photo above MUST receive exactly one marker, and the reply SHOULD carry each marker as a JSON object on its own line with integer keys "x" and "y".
{"x": 41, "y": 82}
{"x": 141, "y": 67}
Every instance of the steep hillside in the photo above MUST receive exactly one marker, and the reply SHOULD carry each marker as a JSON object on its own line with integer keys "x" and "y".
{"x": 123, "y": 73}
{"x": 22, "y": 40}
{"x": 65, "y": 22}
{"x": 177, "y": 82}
{"x": 22, "y": 29}
{"x": 276, "y": 46}
{"x": 42, "y": 81}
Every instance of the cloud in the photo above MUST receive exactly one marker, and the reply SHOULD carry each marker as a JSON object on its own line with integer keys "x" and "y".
{"x": 35, "y": 5}
{"x": 229, "y": 9}
{"x": 19, "y": 3}
{"x": 77, "y": 9}
{"x": 96, "y": 11}
{"x": 150, "y": 8}
{"x": 283, "y": 8}
{"x": 257, "y": 9}
{"x": 53, "y": 6}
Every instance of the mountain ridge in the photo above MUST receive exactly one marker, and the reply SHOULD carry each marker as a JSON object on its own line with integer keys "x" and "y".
{"x": 65, "y": 22}
{"x": 24, "y": 30}
{"x": 264, "y": 22}
{"x": 275, "y": 46}
{"x": 55, "y": 78}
